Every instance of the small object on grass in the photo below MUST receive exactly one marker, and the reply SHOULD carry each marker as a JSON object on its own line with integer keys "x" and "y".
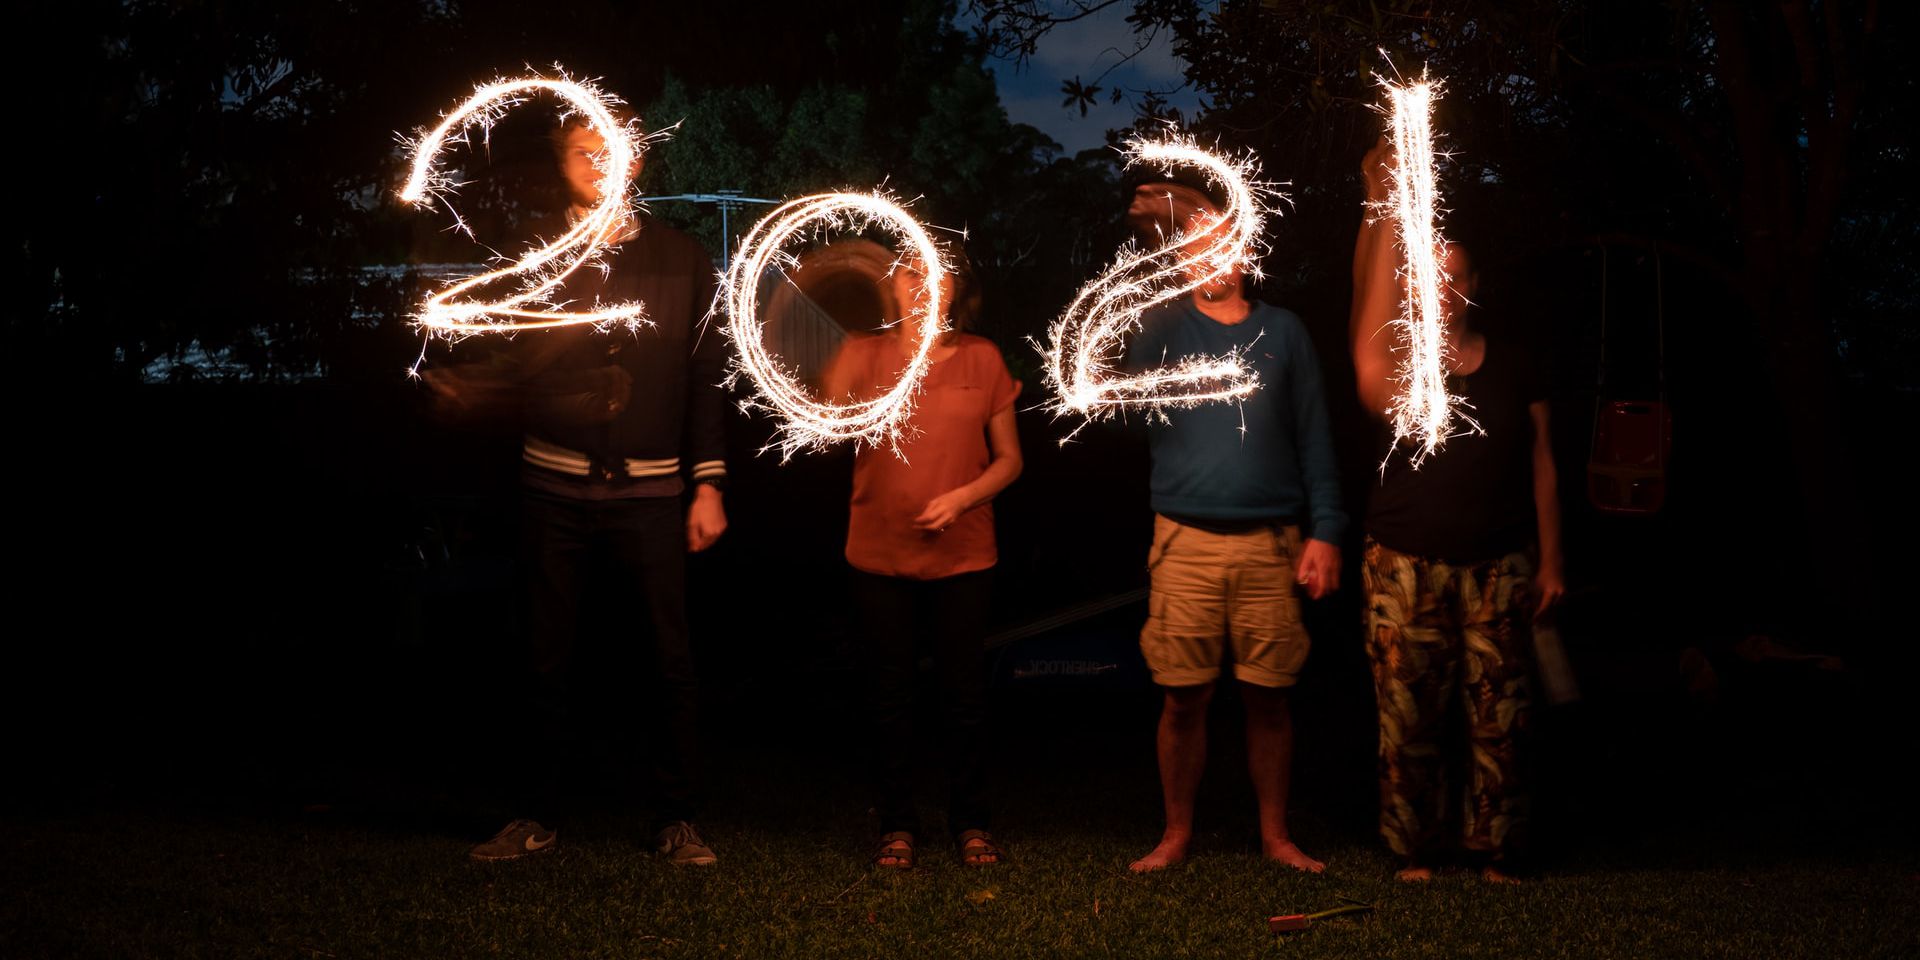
{"x": 1301, "y": 921}
{"x": 980, "y": 897}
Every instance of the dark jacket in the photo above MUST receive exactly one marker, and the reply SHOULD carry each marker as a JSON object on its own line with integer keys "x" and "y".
{"x": 618, "y": 397}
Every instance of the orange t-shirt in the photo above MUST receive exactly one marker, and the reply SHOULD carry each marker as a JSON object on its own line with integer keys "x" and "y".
{"x": 942, "y": 447}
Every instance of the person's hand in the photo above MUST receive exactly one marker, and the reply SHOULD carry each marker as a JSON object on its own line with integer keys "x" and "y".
{"x": 1376, "y": 170}
{"x": 706, "y": 518}
{"x": 1549, "y": 584}
{"x": 943, "y": 510}
{"x": 1319, "y": 568}
{"x": 608, "y": 389}
{"x": 593, "y": 396}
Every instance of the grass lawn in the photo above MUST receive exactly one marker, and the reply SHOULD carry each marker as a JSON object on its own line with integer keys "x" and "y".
{"x": 379, "y": 878}
{"x": 1729, "y": 838}
{"x": 134, "y": 885}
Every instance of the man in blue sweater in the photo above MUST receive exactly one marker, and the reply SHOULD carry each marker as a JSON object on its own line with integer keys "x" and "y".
{"x": 1234, "y": 487}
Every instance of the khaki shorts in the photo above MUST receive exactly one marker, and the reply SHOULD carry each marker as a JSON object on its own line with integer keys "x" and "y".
{"x": 1223, "y": 596}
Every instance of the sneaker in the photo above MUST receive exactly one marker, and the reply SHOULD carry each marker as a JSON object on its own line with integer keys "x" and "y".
{"x": 521, "y": 838}
{"x": 680, "y": 843}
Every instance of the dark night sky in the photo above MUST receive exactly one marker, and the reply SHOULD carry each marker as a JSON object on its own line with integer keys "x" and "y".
{"x": 1084, "y": 49}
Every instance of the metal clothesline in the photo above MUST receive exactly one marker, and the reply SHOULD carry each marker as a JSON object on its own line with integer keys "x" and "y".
{"x": 728, "y": 201}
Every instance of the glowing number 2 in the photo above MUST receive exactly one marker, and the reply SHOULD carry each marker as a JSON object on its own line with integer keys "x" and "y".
{"x": 805, "y": 421}
{"x": 458, "y": 309}
{"x": 1087, "y": 342}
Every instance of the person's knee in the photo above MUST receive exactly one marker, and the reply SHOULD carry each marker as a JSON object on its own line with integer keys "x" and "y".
{"x": 1188, "y": 704}
{"x": 1265, "y": 694}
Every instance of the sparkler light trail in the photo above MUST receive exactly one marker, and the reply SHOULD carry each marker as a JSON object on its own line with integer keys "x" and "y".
{"x": 1087, "y": 343}
{"x": 460, "y": 308}
{"x": 1422, "y": 409}
{"x": 804, "y": 420}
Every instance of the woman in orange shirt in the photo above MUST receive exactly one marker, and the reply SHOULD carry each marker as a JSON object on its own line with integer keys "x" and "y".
{"x": 920, "y": 541}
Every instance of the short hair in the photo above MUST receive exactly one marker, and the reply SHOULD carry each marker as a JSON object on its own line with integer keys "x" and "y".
{"x": 1211, "y": 190}
{"x": 571, "y": 120}
{"x": 965, "y": 308}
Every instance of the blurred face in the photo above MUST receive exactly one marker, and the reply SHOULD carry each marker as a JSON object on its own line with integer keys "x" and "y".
{"x": 1198, "y": 265}
{"x": 578, "y": 154}
{"x": 910, "y": 291}
{"x": 1463, "y": 279}
{"x": 1159, "y": 210}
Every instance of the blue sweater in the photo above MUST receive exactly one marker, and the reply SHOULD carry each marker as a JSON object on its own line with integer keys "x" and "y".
{"x": 1282, "y": 465}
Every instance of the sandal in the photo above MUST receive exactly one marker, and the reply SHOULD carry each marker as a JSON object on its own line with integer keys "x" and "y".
{"x": 977, "y": 849}
{"x": 894, "y": 851}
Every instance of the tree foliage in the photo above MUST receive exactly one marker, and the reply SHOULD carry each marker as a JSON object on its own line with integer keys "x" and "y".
{"x": 1755, "y": 149}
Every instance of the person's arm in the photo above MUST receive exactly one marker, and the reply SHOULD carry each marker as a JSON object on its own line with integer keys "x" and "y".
{"x": 837, "y": 383}
{"x": 521, "y": 380}
{"x": 1550, "y": 580}
{"x": 1003, "y": 442}
{"x": 1319, "y": 566}
{"x": 706, "y": 441}
{"x": 1376, "y": 291}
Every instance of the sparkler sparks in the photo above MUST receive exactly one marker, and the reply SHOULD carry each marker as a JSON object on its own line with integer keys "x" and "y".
{"x": 460, "y": 308}
{"x": 1087, "y": 343}
{"x": 1422, "y": 409}
{"x": 804, "y": 420}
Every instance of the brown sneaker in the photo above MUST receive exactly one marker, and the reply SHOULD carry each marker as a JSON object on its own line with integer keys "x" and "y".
{"x": 680, "y": 843}
{"x": 521, "y": 838}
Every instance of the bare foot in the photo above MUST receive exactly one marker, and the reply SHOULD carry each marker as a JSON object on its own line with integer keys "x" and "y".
{"x": 1170, "y": 851}
{"x": 1414, "y": 874}
{"x": 1283, "y": 851}
{"x": 1497, "y": 875}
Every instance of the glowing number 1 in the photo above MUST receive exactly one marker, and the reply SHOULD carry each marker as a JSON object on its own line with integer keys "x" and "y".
{"x": 1422, "y": 408}
{"x": 458, "y": 308}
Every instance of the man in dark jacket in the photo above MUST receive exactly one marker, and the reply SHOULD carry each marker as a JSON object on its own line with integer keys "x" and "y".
{"x": 617, "y": 424}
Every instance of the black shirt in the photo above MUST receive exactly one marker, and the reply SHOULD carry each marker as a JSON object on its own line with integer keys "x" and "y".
{"x": 1473, "y": 499}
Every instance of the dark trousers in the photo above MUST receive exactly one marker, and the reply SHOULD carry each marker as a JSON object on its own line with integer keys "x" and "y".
{"x": 894, "y": 619}
{"x": 644, "y": 543}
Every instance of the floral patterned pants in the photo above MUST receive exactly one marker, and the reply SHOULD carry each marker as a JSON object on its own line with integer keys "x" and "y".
{"x": 1450, "y": 650}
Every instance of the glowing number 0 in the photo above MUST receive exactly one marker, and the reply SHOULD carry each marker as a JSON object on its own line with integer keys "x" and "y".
{"x": 1087, "y": 341}
{"x": 455, "y": 310}
{"x": 804, "y": 420}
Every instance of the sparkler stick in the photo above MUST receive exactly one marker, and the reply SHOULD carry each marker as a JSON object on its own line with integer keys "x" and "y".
{"x": 1302, "y": 921}
{"x": 460, "y": 308}
{"x": 1422, "y": 409}
{"x": 1087, "y": 343}
{"x": 804, "y": 420}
